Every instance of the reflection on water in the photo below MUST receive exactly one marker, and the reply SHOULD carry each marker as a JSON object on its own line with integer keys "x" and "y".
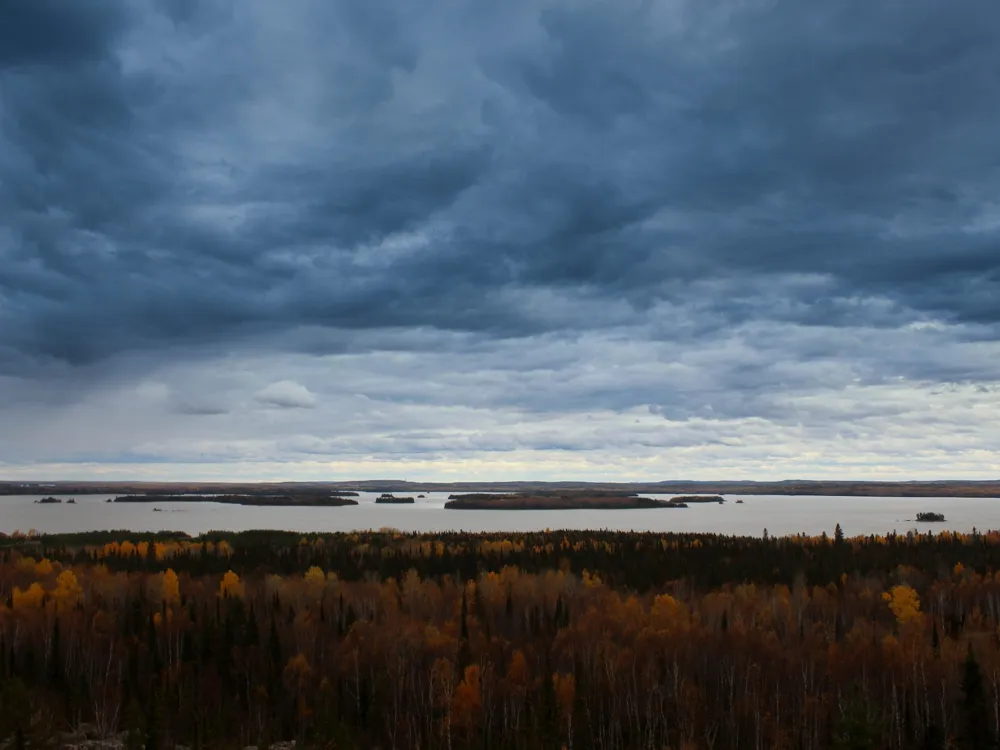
{"x": 780, "y": 515}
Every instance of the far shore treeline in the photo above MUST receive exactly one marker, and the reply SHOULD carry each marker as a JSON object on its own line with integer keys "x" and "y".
{"x": 988, "y": 488}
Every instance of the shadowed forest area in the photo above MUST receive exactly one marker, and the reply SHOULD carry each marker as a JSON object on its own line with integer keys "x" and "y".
{"x": 541, "y": 640}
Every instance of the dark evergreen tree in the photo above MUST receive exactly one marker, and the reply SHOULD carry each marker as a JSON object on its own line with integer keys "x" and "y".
{"x": 854, "y": 728}
{"x": 15, "y": 713}
{"x": 152, "y": 735}
{"x": 252, "y": 637}
{"x": 274, "y": 647}
{"x": 134, "y": 726}
{"x": 55, "y": 656}
{"x": 464, "y": 616}
{"x": 974, "y": 716}
{"x": 934, "y": 738}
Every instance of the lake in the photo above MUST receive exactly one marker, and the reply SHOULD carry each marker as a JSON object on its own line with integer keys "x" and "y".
{"x": 780, "y": 515}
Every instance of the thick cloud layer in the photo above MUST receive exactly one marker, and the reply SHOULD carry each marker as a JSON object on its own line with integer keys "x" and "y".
{"x": 635, "y": 240}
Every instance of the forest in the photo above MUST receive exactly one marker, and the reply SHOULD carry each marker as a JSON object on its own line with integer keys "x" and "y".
{"x": 555, "y": 639}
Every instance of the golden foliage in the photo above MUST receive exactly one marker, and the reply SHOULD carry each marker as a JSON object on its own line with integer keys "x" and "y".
{"x": 565, "y": 689}
{"x": 29, "y": 599}
{"x": 904, "y": 603}
{"x": 297, "y": 669}
{"x": 667, "y": 612}
{"x": 170, "y": 587}
{"x": 467, "y": 701}
{"x": 315, "y": 575}
{"x": 67, "y": 587}
{"x": 230, "y": 585}
{"x": 518, "y": 674}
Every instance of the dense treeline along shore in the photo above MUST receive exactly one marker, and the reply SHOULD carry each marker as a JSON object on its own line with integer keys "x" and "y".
{"x": 539, "y": 640}
{"x": 325, "y": 501}
{"x": 558, "y": 501}
{"x": 989, "y": 488}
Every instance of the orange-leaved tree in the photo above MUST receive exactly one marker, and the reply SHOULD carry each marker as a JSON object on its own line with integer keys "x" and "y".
{"x": 904, "y": 603}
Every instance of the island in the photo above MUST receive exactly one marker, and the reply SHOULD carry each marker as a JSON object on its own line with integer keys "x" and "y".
{"x": 558, "y": 501}
{"x": 699, "y": 499}
{"x": 48, "y": 501}
{"x": 319, "y": 501}
{"x": 389, "y": 498}
{"x": 930, "y": 517}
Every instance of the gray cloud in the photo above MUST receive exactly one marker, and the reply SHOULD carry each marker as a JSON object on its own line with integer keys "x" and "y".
{"x": 48, "y": 32}
{"x": 751, "y": 208}
{"x": 286, "y": 394}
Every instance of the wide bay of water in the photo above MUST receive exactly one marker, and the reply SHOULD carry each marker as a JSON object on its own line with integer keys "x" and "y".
{"x": 780, "y": 515}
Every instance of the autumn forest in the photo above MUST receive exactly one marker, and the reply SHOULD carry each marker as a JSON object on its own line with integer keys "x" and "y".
{"x": 543, "y": 640}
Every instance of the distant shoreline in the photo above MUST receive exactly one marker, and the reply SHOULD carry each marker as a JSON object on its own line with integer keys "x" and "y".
{"x": 963, "y": 489}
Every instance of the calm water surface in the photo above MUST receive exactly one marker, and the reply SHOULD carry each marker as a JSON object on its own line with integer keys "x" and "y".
{"x": 780, "y": 515}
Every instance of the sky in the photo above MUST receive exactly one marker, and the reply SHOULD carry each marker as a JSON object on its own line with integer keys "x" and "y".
{"x": 630, "y": 240}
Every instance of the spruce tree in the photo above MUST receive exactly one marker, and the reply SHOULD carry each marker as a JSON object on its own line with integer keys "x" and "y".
{"x": 855, "y": 728}
{"x": 55, "y": 656}
{"x": 132, "y": 722}
{"x": 465, "y": 614}
{"x": 975, "y": 731}
{"x": 934, "y": 738}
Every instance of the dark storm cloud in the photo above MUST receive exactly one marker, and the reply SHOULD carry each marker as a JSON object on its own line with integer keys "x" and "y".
{"x": 178, "y": 174}
{"x": 46, "y": 32}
